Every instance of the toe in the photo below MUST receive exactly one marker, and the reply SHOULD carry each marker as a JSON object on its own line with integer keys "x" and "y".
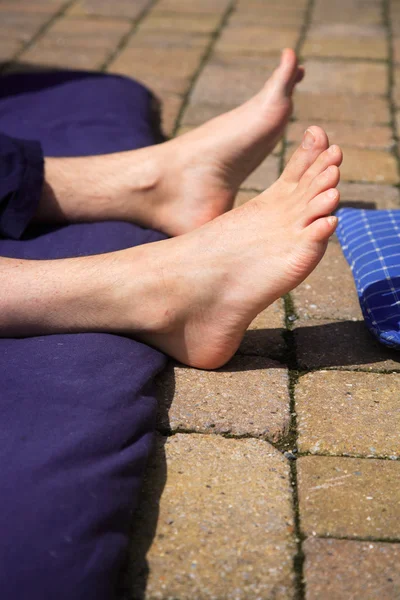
{"x": 321, "y": 230}
{"x": 322, "y": 182}
{"x": 320, "y": 206}
{"x": 315, "y": 141}
{"x": 332, "y": 156}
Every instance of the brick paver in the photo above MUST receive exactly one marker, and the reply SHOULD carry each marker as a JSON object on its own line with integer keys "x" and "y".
{"x": 225, "y": 522}
{"x": 349, "y": 497}
{"x": 339, "y": 569}
{"x": 248, "y": 396}
{"x": 335, "y": 412}
{"x": 220, "y": 517}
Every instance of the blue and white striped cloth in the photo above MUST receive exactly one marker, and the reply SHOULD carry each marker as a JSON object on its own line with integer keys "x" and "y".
{"x": 370, "y": 241}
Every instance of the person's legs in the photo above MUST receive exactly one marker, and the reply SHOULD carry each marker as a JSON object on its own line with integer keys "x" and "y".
{"x": 192, "y": 296}
{"x": 181, "y": 184}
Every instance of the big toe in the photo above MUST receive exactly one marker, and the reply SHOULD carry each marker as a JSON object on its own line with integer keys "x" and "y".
{"x": 314, "y": 142}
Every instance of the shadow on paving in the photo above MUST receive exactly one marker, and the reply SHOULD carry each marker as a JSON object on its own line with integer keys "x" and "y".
{"x": 342, "y": 344}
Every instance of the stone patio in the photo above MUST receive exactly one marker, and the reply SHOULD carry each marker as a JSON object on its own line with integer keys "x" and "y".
{"x": 277, "y": 477}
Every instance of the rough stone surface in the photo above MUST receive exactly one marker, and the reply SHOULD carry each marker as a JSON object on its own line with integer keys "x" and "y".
{"x": 313, "y": 107}
{"x": 339, "y": 569}
{"x": 221, "y": 82}
{"x": 349, "y": 497}
{"x": 224, "y": 526}
{"x": 264, "y": 336}
{"x": 368, "y": 165}
{"x": 369, "y": 195}
{"x": 256, "y": 39}
{"x": 346, "y": 40}
{"x": 357, "y": 135}
{"x": 359, "y": 77}
{"x": 341, "y": 344}
{"x": 362, "y": 12}
{"x": 329, "y": 292}
{"x": 264, "y": 176}
{"x": 335, "y": 411}
{"x": 247, "y": 396}
{"x": 105, "y": 8}
{"x": 199, "y": 23}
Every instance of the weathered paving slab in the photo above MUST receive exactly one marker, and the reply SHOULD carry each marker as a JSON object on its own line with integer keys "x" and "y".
{"x": 369, "y": 195}
{"x": 335, "y": 411}
{"x": 317, "y": 106}
{"x": 329, "y": 292}
{"x": 341, "y": 569}
{"x": 341, "y": 344}
{"x": 249, "y": 396}
{"x": 349, "y": 497}
{"x": 223, "y": 527}
{"x": 359, "y": 77}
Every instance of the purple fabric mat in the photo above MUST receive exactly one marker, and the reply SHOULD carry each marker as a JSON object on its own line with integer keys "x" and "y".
{"x": 77, "y": 411}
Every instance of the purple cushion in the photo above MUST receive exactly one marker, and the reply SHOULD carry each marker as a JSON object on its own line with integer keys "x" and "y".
{"x": 77, "y": 411}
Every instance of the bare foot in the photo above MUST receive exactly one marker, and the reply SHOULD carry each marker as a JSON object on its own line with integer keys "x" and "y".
{"x": 207, "y": 165}
{"x": 216, "y": 279}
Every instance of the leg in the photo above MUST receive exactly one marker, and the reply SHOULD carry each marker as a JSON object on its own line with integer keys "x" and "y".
{"x": 192, "y": 296}
{"x": 179, "y": 185}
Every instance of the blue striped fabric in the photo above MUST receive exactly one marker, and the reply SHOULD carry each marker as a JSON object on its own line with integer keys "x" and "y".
{"x": 370, "y": 241}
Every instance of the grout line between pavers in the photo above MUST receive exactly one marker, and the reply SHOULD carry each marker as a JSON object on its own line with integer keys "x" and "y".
{"x": 290, "y": 317}
{"x": 40, "y": 32}
{"x": 207, "y": 53}
{"x": 125, "y": 38}
{"x": 355, "y": 538}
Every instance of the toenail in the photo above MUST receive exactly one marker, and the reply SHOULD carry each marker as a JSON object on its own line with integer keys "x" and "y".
{"x": 332, "y": 193}
{"x": 308, "y": 140}
{"x": 333, "y": 149}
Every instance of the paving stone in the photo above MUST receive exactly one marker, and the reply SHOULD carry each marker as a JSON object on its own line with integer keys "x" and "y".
{"x": 48, "y": 7}
{"x": 369, "y": 195}
{"x": 315, "y": 107}
{"x": 105, "y": 8}
{"x": 346, "y": 40}
{"x": 335, "y": 410}
{"x": 346, "y": 344}
{"x": 168, "y": 39}
{"x": 223, "y": 528}
{"x": 161, "y": 69}
{"x": 376, "y": 137}
{"x": 265, "y": 334}
{"x": 359, "y": 77}
{"x": 338, "y": 569}
{"x": 396, "y": 50}
{"x": 362, "y": 12}
{"x": 170, "y": 109}
{"x": 21, "y": 26}
{"x": 85, "y": 33}
{"x": 264, "y": 176}
{"x": 177, "y": 63}
{"x": 349, "y": 497}
{"x": 244, "y": 196}
{"x": 329, "y": 292}
{"x": 375, "y": 166}
{"x": 219, "y": 83}
{"x": 268, "y": 15}
{"x": 197, "y": 114}
{"x": 248, "y": 396}
{"x": 41, "y": 55}
{"x": 202, "y": 23}
{"x": 191, "y": 6}
{"x": 8, "y": 49}
{"x": 256, "y": 39}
